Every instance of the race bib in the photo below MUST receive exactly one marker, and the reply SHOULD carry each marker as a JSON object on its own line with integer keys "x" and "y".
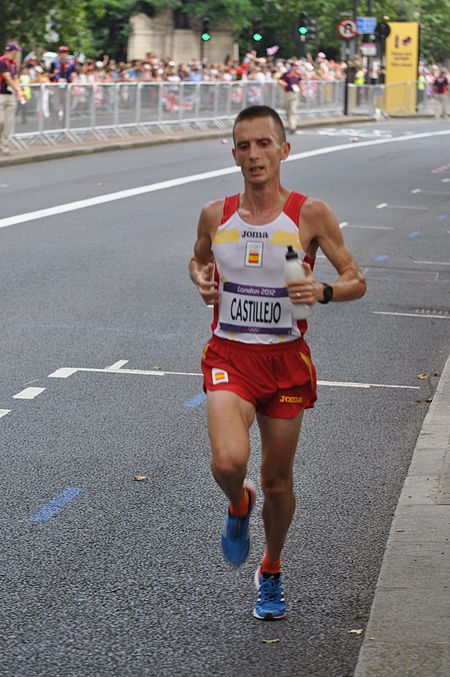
{"x": 255, "y": 310}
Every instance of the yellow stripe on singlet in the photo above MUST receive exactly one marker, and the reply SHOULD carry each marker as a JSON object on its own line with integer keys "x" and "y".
{"x": 282, "y": 238}
{"x": 227, "y": 236}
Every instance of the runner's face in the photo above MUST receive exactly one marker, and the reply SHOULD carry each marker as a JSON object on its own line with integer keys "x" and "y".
{"x": 259, "y": 150}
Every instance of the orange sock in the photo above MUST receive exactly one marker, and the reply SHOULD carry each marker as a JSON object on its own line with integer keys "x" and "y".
{"x": 270, "y": 567}
{"x": 241, "y": 509}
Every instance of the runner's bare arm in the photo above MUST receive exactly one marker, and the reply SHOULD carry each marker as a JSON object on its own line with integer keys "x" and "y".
{"x": 201, "y": 265}
{"x": 320, "y": 229}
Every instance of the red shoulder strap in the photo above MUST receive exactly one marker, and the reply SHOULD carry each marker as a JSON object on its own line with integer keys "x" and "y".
{"x": 230, "y": 206}
{"x": 293, "y": 206}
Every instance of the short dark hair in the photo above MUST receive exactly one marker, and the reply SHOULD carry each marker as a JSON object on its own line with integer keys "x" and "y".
{"x": 252, "y": 112}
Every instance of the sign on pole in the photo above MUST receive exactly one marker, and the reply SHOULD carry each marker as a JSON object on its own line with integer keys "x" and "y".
{"x": 402, "y": 60}
{"x": 347, "y": 29}
{"x": 366, "y": 24}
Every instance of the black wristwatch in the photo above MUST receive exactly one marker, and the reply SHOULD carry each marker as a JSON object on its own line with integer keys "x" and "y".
{"x": 327, "y": 293}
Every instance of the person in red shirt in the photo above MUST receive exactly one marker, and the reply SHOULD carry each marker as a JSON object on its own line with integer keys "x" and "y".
{"x": 440, "y": 86}
{"x": 290, "y": 82}
{"x": 10, "y": 93}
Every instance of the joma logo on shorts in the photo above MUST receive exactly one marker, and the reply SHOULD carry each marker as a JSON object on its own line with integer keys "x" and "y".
{"x": 290, "y": 399}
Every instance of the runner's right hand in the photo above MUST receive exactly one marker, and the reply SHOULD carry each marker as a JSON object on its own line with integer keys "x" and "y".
{"x": 207, "y": 287}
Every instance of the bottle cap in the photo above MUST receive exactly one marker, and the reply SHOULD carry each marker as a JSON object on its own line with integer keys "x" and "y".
{"x": 291, "y": 254}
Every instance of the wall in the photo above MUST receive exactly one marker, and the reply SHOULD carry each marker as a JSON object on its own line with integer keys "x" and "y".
{"x": 157, "y": 35}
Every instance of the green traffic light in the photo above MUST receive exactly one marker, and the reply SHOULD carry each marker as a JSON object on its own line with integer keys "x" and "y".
{"x": 206, "y": 37}
{"x": 257, "y": 37}
{"x": 303, "y": 30}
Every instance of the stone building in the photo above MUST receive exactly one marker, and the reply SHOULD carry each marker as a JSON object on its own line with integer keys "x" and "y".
{"x": 169, "y": 34}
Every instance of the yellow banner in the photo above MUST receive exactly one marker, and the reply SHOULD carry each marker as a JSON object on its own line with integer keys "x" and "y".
{"x": 402, "y": 61}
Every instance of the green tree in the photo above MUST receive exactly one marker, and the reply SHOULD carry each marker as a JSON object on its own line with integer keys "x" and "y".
{"x": 434, "y": 17}
{"x": 36, "y": 27}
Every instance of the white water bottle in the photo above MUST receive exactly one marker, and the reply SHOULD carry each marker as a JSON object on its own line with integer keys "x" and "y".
{"x": 293, "y": 269}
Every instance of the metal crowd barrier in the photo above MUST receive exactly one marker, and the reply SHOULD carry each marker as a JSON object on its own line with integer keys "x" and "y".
{"x": 75, "y": 111}
{"x": 396, "y": 98}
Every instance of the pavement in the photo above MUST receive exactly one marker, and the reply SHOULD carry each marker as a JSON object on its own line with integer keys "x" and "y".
{"x": 408, "y": 632}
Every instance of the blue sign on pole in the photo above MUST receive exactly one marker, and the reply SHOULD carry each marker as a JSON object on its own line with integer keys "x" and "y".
{"x": 366, "y": 24}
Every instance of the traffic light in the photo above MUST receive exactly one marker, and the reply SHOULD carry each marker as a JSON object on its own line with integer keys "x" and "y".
{"x": 206, "y": 31}
{"x": 245, "y": 35}
{"x": 303, "y": 27}
{"x": 382, "y": 30}
{"x": 257, "y": 30}
{"x": 311, "y": 35}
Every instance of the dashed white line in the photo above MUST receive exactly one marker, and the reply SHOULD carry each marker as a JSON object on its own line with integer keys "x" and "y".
{"x": 428, "y": 317}
{"x": 433, "y": 263}
{"x": 385, "y": 204}
{"x": 62, "y": 373}
{"x": 351, "y": 225}
{"x": 28, "y": 393}
{"x": 117, "y": 365}
{"x": 3, "y": 412}
{"x": 148, "y": 372}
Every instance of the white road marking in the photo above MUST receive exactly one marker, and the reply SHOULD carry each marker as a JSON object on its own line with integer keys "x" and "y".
{"x": 62, "y": 373}
{"x": 3, "y": 412}
{"x": 343, "y": 224}
{"x": 351, "y": 225}
{"x": 428, "y": 317}
{"x": 433, "y": 263}
{"x": 431, "y": 192}
{"x": 117, "y": 365}
{"x": 345, "y": 384}
{"x": 28, "y": 393}
{"x": 384, "y": 204}
{"x": 445, "y": 180}
{"x": 147, "y": 372}
{"x": 171, "y": 183}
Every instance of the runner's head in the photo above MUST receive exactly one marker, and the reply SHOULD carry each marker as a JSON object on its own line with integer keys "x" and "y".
{"x": 253, "y": 112}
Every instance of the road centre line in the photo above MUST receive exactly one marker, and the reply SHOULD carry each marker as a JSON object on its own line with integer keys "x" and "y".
{"x": 3, "y": 412}
{"x": 171, "y": 183}
{"x": 428, "y": 317}
{"x": 383, "y": 205}
{"x": 351, "y": 225}
{"x": 433, "y": 263}
{"x": 431, "y": 192}
{"x": 64, "y": 373}
{"x": 28, "y": 393}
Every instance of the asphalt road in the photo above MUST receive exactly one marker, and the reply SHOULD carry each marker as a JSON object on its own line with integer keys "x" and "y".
{"x": 126, "y": 577}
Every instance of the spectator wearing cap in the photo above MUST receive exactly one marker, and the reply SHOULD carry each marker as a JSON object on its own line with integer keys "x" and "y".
{"x": 10, "y": 93}
{"x": 61, "y": 72}
{"x": 290, "y": 82}
{"x": 61, "y": 69}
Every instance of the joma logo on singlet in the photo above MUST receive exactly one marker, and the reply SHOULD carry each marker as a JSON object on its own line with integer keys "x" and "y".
{"x": 290, "y": 399}
{"x": 251, "y": 233}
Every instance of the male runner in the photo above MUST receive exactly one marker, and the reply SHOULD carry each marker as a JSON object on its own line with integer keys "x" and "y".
{"x": 257, "y": 362}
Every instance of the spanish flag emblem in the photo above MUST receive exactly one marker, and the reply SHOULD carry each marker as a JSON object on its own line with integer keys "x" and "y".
{"x": 219, "y": 376}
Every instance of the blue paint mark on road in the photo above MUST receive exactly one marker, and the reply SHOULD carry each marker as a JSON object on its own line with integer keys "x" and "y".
{"x": 414, "y": 234}
{"x": 196, "y": 400}
{"x": 382, "y": 257}
{"x": 55, "y": 505}
{"x": 443, "y": 216}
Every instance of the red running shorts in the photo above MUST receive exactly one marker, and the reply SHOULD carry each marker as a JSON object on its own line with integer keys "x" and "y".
{"x": 279, "y": 380}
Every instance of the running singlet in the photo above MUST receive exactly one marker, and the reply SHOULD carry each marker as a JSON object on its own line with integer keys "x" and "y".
{"x": 254, "y": 306}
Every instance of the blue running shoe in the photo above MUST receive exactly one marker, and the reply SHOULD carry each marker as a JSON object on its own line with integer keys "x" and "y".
{"x": 234, "y": 539}
{"x": 270, "y": 605}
